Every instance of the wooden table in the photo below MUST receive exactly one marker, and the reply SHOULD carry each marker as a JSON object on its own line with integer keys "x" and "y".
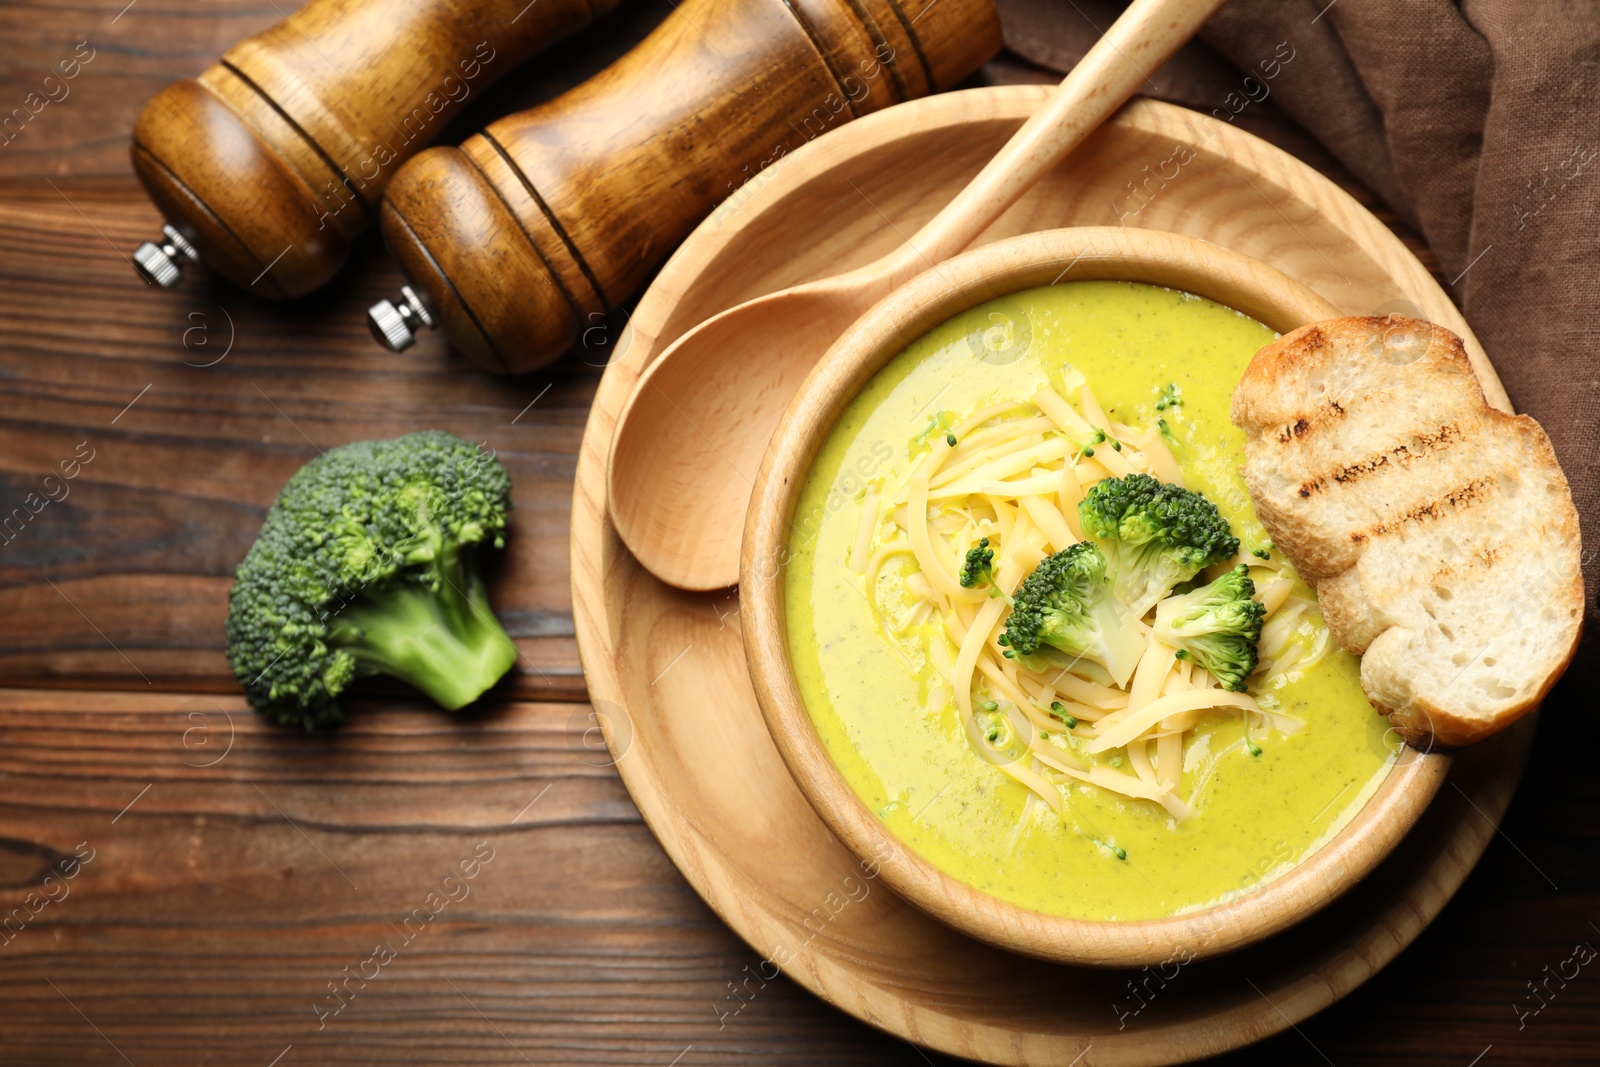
{"x": 226, "y": 875}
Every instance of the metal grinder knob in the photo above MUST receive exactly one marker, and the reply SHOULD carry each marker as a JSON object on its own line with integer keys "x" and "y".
{"x": 162, "y": 264}
{"x": 395, "y": 326}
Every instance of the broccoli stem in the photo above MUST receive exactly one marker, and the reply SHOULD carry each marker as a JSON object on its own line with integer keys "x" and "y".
{"x": 447, "y": 643}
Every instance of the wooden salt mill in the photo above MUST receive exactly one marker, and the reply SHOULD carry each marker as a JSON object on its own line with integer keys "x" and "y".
{"x": 534, "y": 229}
{"x": 271, "y": 163}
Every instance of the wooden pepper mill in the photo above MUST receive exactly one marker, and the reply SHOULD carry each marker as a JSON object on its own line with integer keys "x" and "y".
{"x": 535, "y": 228}
{"x": 272, "y": 162}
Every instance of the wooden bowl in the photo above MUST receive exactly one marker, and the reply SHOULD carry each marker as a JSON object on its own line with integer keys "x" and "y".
{"x": 671, "y": 688}
{"x": 1025, "y": 262}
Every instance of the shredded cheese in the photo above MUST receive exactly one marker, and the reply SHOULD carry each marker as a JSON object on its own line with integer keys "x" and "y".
{"x": 1016, "y": 475}
{"x": 1136, "y": 723}
{"x": 861, "y": 553}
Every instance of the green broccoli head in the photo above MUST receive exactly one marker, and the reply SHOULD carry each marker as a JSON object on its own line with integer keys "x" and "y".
{"x": 1155, "y": 535}
{"x": 1064, "y": 614}
{"x": 979, "y": 566}
{"x": 1218, "y": 625}
{"x": 366, "y": 564}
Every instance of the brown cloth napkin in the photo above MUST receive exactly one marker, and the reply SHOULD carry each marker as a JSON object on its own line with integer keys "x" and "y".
{"x": 1478, "y": 123}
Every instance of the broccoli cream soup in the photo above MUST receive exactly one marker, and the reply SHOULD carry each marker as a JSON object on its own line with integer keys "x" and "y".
{"x": 1040, "y": 630}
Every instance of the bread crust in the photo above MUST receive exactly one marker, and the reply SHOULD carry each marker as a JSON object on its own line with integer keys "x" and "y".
{"x": 1435, "y": 529}
{"x": 1431, "y": 728}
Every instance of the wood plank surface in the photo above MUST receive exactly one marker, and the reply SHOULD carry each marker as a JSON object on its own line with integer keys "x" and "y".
{"x": 190, "y": 409}
{"x": 225, "y": 873}
{"x": 235, "y": 870}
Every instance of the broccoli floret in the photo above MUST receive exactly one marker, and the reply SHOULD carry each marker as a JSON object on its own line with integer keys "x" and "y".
{"x": 1064, "y": 613}
{"x": 1218, "y": 625}
{"x": 366, "y": 565}
{"x": 1155, "y": 535}
{"x": 979, "y": 567}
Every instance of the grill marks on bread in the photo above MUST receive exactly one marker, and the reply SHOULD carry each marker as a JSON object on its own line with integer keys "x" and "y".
{"x": 1451, "y": 502}
{"x": 1438, "y": 532}
{"x": 1418, "y": 448}
{"x": 1307, "y": 423}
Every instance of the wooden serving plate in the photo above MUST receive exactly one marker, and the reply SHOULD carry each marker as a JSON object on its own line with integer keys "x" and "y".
{"x": 666, "y": 669}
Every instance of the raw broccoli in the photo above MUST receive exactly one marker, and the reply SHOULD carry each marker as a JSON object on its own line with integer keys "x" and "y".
{"x": 366, "y": 565}
{"x": 1063, "y": 613}
{"x": 1155, "y": 535}
{"x": 1218, "y": 625}
{"x": 979, "y": 567}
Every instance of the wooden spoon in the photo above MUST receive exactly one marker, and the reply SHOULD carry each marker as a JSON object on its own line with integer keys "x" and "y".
{"x": 691, "y": 436}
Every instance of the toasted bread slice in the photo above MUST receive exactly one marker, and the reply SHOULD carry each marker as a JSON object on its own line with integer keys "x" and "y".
{"x": 1438, "y": 532}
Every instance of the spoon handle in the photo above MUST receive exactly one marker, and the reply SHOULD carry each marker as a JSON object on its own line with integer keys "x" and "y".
{"x": 1141, "y": 39}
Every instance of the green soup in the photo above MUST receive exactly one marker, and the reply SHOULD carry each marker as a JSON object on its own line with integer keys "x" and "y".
{"x": 1255, "y": 815}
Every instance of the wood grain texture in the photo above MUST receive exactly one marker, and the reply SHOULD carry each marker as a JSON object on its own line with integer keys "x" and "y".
{"x": 124, "y": 580}
{"x": 188, "y": 964}
{"x": 535, "y": 228}
{"x": 274, "y": 160}
{"x": 234, "y": 870}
